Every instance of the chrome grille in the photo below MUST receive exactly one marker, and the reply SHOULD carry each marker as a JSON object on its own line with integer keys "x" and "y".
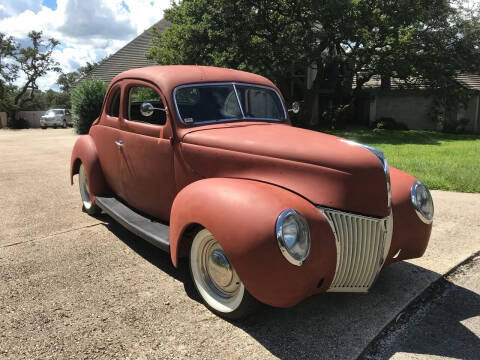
{"x": 362, "y": 246}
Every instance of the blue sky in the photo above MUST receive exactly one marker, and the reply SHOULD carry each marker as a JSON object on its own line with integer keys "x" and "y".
{"x": 88, "y": 30}
{"x": 52, "y": 4}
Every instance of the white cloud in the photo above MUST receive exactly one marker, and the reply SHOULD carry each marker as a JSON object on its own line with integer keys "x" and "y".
{"x": 15, "y": 7}
{"x": 87, "y": 29}
{"x": 145, "y": 13}
{"x": 87, "y": 19}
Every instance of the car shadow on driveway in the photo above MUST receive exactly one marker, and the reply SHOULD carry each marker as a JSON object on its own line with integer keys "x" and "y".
{"x": 153, "y": 255}
{"x": 335, "y": 325}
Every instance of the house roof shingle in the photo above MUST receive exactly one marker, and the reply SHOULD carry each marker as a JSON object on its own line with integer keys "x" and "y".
{"x": 468, "y": 81}
{"x": 131, "y": 56}
{"x": 395, "y": 84}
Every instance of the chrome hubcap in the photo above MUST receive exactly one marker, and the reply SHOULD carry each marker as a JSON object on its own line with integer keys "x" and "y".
{"x": 217, "y": 271}
{"x": 219, "y": 268}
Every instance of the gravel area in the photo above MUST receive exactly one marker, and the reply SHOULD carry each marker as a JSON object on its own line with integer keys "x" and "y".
{"x": 73, "y": 286}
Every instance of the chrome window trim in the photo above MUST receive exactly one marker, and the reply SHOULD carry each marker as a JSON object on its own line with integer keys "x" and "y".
{"x": 234, "y": 84}
{"x": 238, "y": 99}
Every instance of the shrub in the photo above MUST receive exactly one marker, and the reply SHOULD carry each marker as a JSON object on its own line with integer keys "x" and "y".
{"x": 87, "y": 99}
{"x": 452, "y": 126}
{"x": 19, "y": 123}
{"x": 388, "y": 123}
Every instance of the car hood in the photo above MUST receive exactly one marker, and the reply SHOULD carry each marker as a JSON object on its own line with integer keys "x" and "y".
{"x": 323, "y": 168}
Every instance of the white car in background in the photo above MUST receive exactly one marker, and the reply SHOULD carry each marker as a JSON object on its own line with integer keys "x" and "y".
{"x": 56, "y": 117}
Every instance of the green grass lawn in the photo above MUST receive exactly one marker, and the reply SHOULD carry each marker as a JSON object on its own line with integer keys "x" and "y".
{"x": 441, "y": 161}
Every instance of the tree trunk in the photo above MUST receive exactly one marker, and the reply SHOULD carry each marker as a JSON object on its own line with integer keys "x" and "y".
{"x": 312, "y": 108}
{"x": 21, "y": 93}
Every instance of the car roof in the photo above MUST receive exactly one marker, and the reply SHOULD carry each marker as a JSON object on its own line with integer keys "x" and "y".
{"x": 167, "y": 78}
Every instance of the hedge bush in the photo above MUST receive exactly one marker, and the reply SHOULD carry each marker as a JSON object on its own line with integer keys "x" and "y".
{"x": 87, "y": 99}
{"x": 387, "y": 123}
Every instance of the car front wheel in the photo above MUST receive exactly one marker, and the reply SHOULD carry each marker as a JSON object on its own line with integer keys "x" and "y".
{"x": 216, "y": 280}
{"x": 88, "y": 206}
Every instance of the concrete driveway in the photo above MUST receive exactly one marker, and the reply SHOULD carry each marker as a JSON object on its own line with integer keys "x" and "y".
{"x": 72, "y": 286}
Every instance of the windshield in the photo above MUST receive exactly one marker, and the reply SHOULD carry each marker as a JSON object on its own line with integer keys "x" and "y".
{"x": 54, "y": 112}
{"x": 227, "y": 102}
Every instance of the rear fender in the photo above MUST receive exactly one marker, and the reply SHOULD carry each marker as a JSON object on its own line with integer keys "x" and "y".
{"x": 84, "y": 152}
{"x": 242, "y": 214}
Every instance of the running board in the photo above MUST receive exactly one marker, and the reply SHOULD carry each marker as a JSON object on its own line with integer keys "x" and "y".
{"x": 156, "y": 233}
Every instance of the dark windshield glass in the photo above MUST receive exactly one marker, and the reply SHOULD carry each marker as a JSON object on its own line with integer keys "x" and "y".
{"x": 54, "y": 112}
{"x": 260, "y": 103}
{"x": 211, "y": 103}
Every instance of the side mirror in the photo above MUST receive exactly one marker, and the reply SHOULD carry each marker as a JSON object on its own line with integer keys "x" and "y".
{"x": 295, "y": 108}
{"x": 146, "y": 109}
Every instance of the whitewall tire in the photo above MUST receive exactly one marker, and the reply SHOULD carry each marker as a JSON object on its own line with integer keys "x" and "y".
{"x": 88, "y": 206}
{"x": 216, "y": 280}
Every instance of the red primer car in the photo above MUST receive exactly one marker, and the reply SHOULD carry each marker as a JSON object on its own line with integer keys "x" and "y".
{"x": 203, "y": 162}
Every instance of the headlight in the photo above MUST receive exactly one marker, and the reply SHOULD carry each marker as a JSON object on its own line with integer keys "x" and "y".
{"x": 293, "y": 236}
{"x": 422, "y": 202}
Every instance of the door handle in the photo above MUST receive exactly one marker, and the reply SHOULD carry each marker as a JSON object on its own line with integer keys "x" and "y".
{"x": 119, "y": 143}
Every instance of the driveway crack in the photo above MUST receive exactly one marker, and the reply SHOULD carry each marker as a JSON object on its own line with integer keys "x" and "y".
{"x": 50, "y": 235}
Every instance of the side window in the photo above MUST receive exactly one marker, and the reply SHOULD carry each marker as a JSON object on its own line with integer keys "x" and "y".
{"x": 114, "y": 106}
{"x": 143, "y": 94}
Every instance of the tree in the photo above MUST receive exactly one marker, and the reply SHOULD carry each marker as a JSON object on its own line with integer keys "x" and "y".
{"x": 422, "y": 40}
{"x": 35, "y": 61}
{"x": 87, "y": 69}
{"x": 8, "y": 70}
{"x": 67, "y": 81}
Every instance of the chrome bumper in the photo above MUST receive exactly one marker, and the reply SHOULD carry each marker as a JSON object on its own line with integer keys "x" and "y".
{"x": 362, "y": 247}
{"x": 50, "y": 122}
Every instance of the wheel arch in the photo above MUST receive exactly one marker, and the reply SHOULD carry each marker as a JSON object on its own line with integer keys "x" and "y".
{"x": 75, "y": 168}
{"x": 241, "y": 215}
{"x": 85, "y": 152}
{"x": 185, "y": 239}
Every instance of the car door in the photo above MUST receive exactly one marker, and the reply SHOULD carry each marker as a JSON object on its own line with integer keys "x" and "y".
{"x": 107, "y": 138}
{"x": 147, "y": 153}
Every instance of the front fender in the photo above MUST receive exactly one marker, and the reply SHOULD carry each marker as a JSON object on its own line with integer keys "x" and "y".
{"x": 242, "y": 214}
{"x": 85, "y": 152}
{"x": 410, "y": 234}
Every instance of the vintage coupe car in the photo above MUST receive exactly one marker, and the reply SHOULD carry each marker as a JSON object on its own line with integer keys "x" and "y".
{"x": 56, "y": 117}
{"x": 203, "y": 162}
